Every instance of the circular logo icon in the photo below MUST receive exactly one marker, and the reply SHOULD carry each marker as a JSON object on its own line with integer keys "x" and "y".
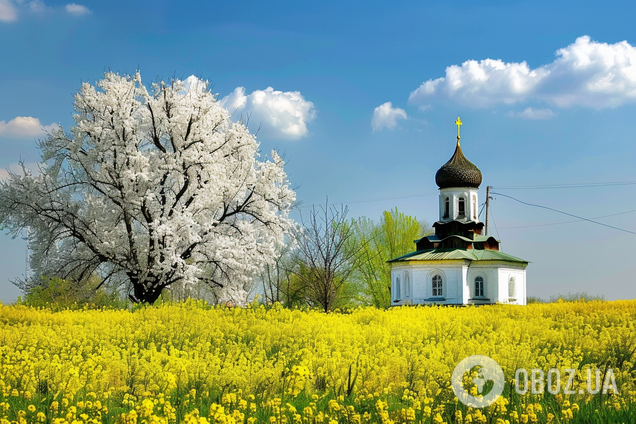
{"x": 487, "y": 381}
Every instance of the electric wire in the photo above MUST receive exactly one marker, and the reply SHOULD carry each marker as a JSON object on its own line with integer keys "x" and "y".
{"x": 563, "y": 186}
{"x": 377, "y": 200}
{"x": 564, "y": 213}
{"x": 492, "y": 216}
{"x": 519, "y": 187}
{"x": 569, "y": 222}
{"x": 393, "y": 198}
{"x": 482, "y": 206}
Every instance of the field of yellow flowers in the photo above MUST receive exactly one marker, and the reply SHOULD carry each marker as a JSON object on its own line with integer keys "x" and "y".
{"x": 197, "y": 364}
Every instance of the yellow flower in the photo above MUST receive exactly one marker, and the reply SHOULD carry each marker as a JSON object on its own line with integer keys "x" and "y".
{"x": 397, "y": 362}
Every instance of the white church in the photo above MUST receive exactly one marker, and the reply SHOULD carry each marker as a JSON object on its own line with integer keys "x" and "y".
{"x": 458, "y": 265}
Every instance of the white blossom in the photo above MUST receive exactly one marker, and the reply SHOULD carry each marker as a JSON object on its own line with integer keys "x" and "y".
{"x": 156, "y": 185}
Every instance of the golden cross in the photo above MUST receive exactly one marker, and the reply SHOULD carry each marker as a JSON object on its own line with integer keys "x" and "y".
{"x": 459, "y": 124}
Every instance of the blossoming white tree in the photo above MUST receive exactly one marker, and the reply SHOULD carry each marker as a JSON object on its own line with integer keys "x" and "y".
{"x": 153, "y": 185}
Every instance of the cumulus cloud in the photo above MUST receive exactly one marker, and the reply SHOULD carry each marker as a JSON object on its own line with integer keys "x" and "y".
{"x": 386, "y": 116}
{"x": 11, "y": 10}
{"x": 194, "y": 83}
{"x": 531, "y": 113}
{"x": 38, "y": 6}
{"x": 585, "y": 73}
{"x": 282, "y": 114}
{"x": 77, "y": 9}
{"x": 8, "y": 12}
{"x": 24, "y": 127}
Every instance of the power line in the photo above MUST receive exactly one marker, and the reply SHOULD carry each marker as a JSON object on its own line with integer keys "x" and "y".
{"x": 482, "y": 206}
{"x": 393, "y": 198}
{"x": 561, "y": 186}
{"x": 495, "y": 224}
{"x": 565, "y": 213}
{"x": 519, "y": 187}
{"x": 570, "y": 222}
{"x": 378, "y": 199}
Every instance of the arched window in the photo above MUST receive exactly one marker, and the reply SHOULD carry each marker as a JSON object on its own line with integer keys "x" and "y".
{"x": 437, "y": 286}
{"x": 462, "y": 207}
{"x": 407, "y": 286}
{"x": 479, "y": 286}
{"x": 397, "y": 288}
{"x": 512, "y": 288}
{"x": 475, "y": 207}
{"x": 446, "y": 207}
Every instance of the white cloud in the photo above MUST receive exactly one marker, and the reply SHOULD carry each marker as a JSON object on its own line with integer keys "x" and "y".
{"x": 16, "y": 168}
{"x": 194, "y": 83}
{"x": 77, "y": 9}
{"x": 11, "y": 9}
{"x": 585, "y": 73}
{"x": 8, "y": 12}
{"x": 386, "y": 116}
{"x": 282, "y": 114}
{"x": 38, "y": 6}
{"x": 530, "y": 113}
{"x": 24, "y": 127}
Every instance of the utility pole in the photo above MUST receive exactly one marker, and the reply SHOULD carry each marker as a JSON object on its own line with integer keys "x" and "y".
{"x": 487, "y": 206}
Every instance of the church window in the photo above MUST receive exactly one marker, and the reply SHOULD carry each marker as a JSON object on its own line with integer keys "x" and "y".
{"x": 397, "y": 288}
{"x": 437, "y": 286}
{"x": 479, "y": 286}
{"x": 407, "y": 286}
{"x": 446, "y": 208}
{"x": 512, "y": 288}
{"x": 475, "y": 207}
{"x": 462, "y": 207}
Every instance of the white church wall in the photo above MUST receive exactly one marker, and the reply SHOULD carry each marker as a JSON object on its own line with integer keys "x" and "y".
{"x": 421, "y": 283}
{"x": 458, "y": 283}
{"x": 421, "y": 291}
{"x": 512, "y": 293}
{"x": 490, "y": 274}
{"x": 454, "y": 284}
{"x": 471, "y": 199}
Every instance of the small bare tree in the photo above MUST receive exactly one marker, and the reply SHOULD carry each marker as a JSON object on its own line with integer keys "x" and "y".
{"x": 325, "y": 258}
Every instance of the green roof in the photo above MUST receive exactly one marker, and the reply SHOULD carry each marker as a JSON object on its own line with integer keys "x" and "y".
{"x": 458, "y": 254}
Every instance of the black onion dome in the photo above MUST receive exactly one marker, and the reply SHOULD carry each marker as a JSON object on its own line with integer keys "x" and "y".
{"x": 458, "y": 172}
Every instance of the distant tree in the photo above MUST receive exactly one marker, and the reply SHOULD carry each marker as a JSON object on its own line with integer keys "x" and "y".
{"x": 392, "y": 237}
{"x": 576, "y": 297}
{"x": 154, "y": 186}
{"x": 279, "y": 281}
{"x": 56, "y": 293}
{"x": 534, "y": 299}
{"x": 325, "y": 258}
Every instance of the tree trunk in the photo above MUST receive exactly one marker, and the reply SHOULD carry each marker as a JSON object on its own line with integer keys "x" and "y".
{"x": 143, "y": 294}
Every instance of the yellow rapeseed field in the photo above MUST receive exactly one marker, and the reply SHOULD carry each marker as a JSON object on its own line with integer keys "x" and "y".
{"x": 196, "y": 364}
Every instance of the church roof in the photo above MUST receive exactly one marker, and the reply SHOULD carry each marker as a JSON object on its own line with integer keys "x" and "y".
{"x": 458, "y": 172}
{"x": 435, "y": 239}
{"x": 459, "y": 254}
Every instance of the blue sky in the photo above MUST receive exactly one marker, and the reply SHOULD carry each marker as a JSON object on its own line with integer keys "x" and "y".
{"x": 546, "y": 91}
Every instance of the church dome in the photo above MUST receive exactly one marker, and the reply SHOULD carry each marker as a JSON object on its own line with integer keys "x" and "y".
{"x": 458, "y": 172}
